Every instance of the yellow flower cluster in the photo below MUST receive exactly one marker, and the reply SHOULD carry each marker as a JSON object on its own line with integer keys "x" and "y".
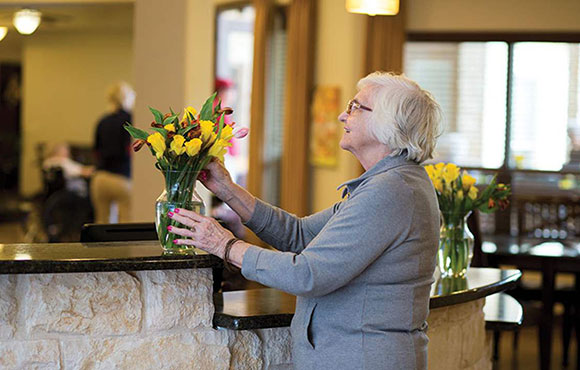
{"x": 191, "y": 141}
{"x": 457, "y": 194}
{"x": 445, "y": 180}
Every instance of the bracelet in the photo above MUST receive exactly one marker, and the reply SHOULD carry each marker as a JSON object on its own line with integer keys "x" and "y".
{"x": 229, "y": 245}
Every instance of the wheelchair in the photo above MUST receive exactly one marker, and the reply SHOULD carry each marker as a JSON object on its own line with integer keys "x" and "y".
{"x": 64, "y": 212}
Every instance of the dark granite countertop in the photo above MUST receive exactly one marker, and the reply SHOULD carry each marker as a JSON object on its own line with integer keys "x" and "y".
{"x": 270, "y": 308}
{"x": 94, "y": 257}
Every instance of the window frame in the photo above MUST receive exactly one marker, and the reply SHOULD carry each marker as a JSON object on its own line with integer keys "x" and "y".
{"x": 510, "y": 39}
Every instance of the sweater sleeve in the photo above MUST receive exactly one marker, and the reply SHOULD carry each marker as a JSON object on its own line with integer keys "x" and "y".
{"x": 285, "y": 231}
{"x": 374, "y": 219}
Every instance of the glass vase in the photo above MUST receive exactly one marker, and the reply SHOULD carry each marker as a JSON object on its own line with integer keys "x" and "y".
{"x": 179, "y": 192}
{"x": 455, "y": 245}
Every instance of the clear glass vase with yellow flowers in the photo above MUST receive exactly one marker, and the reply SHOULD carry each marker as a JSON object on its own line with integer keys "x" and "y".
{"x": 458, "y": 196}
{"x": 182, "y": 148}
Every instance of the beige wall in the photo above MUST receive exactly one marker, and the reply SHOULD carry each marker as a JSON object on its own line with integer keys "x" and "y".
{"x": 65, "y": 76}
{"x": 183, "y": 34}
{"x": 493, "y": 15}
{"x": 338, "y": 63}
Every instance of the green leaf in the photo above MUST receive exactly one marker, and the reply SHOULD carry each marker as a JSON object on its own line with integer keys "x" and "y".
{"x": 162, "y": 131}
{"x": 185, "y": 130}
{"x": 220, "y": 126}
{"x": 207, "y": 109}
{"x": 169, "y": 120}
{"x": 190, "y": 116}
{"x": 158, "y": 115}
{"x": 172, "y": 112}
{"x": 136, "y": 133}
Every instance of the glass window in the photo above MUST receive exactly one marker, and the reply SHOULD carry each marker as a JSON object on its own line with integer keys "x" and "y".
{"x": 469, "y": 80}
{"x": 544, "y": 116}
{"x": 234, "y": 62}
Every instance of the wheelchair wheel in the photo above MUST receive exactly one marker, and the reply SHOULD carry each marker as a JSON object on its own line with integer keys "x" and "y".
{"x": 64, "y": 215}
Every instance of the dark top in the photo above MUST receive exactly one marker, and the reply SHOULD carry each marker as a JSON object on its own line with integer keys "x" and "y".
{"x": 113, "y": 144}
{"x": 95, "y": 257}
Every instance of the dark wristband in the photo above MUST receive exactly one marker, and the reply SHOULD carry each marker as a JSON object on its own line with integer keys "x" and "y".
{"x": 229, "y": 245}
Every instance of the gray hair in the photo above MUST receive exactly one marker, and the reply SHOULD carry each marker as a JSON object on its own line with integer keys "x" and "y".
{"x": 405, "y": 117}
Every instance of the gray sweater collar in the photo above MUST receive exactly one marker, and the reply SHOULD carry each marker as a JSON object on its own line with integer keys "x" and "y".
{"x": 381, "y": 166}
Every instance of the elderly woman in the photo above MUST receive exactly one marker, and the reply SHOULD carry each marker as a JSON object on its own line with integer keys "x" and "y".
{"x": 362, "y": 269}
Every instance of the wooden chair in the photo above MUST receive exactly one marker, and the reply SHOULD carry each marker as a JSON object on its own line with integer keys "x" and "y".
{"x": 503, "y": 313}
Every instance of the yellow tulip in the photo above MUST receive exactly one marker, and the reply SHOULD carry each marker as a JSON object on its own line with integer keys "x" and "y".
{"x": 460, "y": 195}
{"x": 207, "y": 134}
{"x": 430, "y": 171}
{"x": 467, "y": 181}
{"x": 439, "y": 167}
{"x": 192, "y": 112}
{"x": 192, "y": 147}
{"x": 170, "y": 127}
{"x": 472, "y": 194}
{"x": 176, "y": 145}
{"x": 438, "y": 185}
{"x": 157, "y": 142}
{"x": 450, "y": 173}
{"x": 227, "y": 132}
{"x": 218, "y": 149}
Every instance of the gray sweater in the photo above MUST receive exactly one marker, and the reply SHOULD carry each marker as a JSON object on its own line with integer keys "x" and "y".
{"x": 361, "y": 270}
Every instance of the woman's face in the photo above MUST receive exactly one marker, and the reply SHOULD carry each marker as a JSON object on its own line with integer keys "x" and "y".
{"x": 357, "y": 138}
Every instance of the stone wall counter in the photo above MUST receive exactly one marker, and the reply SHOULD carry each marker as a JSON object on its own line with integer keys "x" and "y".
{"x": 456, "y": 322}
{"x": 94, "y": 257}
{"x": 126, "y": 306}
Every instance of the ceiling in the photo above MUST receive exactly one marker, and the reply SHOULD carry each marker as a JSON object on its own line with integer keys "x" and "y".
{"x": 70, "y": 16}
{"x": 76, "y": 16}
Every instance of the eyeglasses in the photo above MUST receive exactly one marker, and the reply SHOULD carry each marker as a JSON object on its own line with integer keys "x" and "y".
{"x": 354, "y": 105}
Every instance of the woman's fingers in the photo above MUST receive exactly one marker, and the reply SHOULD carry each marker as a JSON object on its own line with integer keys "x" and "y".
{"x": 190, "y": 214}
{"x": 180, "y": 231}
{"x": 187, "y": 221}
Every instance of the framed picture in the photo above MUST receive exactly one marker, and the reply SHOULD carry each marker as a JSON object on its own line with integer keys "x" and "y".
{"x": 325, "y": 129}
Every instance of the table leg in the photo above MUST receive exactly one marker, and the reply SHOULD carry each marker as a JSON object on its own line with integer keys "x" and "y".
{"x": 548, "y": 277}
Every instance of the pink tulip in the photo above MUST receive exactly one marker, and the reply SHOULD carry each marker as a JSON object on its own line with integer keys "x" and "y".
{"x": 241, "y": 133}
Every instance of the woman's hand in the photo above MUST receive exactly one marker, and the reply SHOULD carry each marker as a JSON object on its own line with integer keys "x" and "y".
{"x": 217, "y": 179}
{"x": 205, "y": 232}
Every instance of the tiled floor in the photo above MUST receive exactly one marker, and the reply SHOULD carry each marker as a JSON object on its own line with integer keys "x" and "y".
{"x": 527, "y": 355}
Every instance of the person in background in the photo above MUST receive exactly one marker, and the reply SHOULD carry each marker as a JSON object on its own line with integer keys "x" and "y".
{"x": 111, "y": 183}
{"x": 362, "y": 269}
{"x": 75, "y": 173}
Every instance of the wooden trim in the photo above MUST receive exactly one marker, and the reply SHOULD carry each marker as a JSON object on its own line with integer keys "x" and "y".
{"x": 294, "y": 194}
{"x": 261, "y": 31}
{"x": 494, "y": 36}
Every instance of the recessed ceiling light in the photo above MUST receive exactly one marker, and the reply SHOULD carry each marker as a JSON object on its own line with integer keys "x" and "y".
{"x": 26, "y": 21}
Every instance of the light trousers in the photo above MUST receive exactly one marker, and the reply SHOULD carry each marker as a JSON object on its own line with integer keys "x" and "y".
{"x": 107, "y": 189}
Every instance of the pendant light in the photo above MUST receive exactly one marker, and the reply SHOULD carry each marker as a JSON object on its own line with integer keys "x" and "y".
{"x": 373, "y": 7}
{"x": 3, "y": 32}
{"x": 26, "y": 21}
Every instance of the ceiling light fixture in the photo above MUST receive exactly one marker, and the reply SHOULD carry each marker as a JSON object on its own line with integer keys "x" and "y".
{"x": 373, "y": 7}
{"x": 3, "y": 32}
{"x": 26, "y": 21}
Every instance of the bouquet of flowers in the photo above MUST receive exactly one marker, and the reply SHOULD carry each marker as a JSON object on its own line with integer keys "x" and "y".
{"x": 183, "y": 147}
{"x": 458, "y": 196}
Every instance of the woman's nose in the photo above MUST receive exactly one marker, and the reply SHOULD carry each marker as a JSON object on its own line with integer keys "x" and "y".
{"x": 342, "y": 117}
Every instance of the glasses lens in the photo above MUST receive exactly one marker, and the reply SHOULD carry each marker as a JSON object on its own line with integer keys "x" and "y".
{"x": 349, "y": 106}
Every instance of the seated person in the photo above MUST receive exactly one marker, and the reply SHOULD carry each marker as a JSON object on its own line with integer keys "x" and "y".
{"x": 75, "y": 173}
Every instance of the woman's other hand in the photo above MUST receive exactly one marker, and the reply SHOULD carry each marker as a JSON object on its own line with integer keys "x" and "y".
{"x": 205, "y": 232}
{"x": 217, "y": 179}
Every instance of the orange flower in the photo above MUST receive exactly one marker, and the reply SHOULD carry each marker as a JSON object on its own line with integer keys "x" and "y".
{"x": 138, "y": 144}
{"x": 491, "y": 203}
